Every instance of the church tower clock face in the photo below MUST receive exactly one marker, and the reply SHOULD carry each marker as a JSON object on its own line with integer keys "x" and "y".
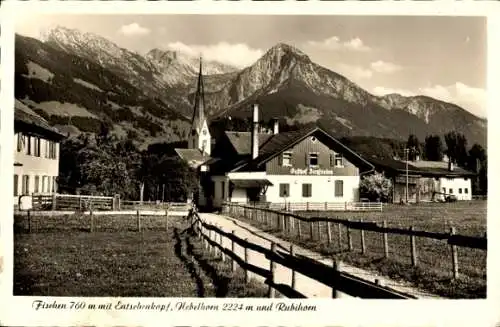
{"x": 204, "y": 132}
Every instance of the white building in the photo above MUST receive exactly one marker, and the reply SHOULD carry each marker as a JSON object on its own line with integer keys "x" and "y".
{"x": 36, "y": 153}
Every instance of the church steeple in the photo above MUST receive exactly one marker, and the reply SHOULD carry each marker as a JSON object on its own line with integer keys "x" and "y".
{"x": 199, "y": 102}
{"x": 199, "y": 137}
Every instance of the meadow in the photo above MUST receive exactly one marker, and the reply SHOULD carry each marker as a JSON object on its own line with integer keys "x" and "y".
{"x": 433, "y": 269}
{"x": 61, "y": 257}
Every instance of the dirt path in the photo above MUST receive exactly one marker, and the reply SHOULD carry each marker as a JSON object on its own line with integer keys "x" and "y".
{"x": 305, "y": 285}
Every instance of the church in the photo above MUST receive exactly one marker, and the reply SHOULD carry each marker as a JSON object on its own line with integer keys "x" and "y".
{"x": 269, "y": 166}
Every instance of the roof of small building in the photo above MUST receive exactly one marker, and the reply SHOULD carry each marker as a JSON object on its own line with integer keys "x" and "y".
{"x": 421, "y": 167}
{"x": 23, "y": 115}
{"x": 194, "y": 157}
{"x": 241, "y": 141}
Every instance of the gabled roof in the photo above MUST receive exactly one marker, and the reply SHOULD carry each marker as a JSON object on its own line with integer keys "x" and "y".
{"x": 278, "y": 143}
{"x": 29, "y": 121}
{"x": 421, "y": 167}
{"x": 193, "y": 157}
{"x": 241, "y": 141}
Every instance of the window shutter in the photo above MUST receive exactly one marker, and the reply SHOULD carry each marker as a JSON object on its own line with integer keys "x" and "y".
{"x": 281, "y": 159}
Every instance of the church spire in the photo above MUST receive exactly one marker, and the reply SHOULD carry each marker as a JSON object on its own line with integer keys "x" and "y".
{"x": 199, "y": 103}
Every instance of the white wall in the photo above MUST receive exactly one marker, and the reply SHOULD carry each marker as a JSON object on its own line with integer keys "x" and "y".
{"x": 456, "y": 184}
{"x": 35, "y": 166}
{"x": 218, "y": 199}
{"x": 323, "y": 188}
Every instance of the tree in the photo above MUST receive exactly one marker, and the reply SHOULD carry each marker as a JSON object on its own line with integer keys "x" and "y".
{"x": 376, "y": 187}
{"x": 478, "y": 163}
{"x": 415, "y": 147}
{"x": 433, "y": 148}
{"x": 456, "y": 145}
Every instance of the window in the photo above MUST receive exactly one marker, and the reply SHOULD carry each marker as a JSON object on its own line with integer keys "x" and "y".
{"x": 37, "y": 183}
{"x": 284, "y": 190}
{"x": 313, "y": 159}
{"x": 54, "y": 184}
{"x": 466, "y": 190}
{"x": 459, "y": 191}
{"x": 27, "y": 142}
{"x": 26, "y": 184}
{"x": 336, "y": 160}
{"x": 444, "y": 189}
{"x": 451, "y": 191}
{"x": 286, "y": 159}
{"x": 306, "y": 190}
{"x": 16, "y": 185}
{"x": 52, "y": 150}
{"x": 204, "y": 145}
{"x": 20, "y": 142}
{"x": 47, "y": 142}
{"x": 339, "y": 188}
{"x": 37, "y": 146}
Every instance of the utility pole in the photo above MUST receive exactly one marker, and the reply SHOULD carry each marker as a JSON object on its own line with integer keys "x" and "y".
{"x": 406, "y": 152}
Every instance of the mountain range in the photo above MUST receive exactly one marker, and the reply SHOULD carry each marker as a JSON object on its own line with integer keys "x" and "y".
{"x": 78, "y": 80}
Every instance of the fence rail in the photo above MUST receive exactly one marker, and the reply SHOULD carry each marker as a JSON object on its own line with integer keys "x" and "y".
{"x": 331, "y": 276}
{"x": 291, "y": 224}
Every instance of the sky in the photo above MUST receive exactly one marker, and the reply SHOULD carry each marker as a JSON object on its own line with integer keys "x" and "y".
{"x": 440, "y": 56}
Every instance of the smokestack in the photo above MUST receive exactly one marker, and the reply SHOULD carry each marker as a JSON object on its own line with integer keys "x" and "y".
{"x": 255, "y": 131}
{"x": 276, "y": 126}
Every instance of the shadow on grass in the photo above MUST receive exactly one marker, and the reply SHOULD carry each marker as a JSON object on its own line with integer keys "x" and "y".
{"x": 191, "y": 267}
{"x": 209, "y": 267}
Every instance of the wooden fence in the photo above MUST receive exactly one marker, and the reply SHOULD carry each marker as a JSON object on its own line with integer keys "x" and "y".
{"x": 292, "y": 225}
{"x": 69, "y": 202}
{"x": 94, "y": 221}
{"x": 321, "y": 206}
{"x": 331, "y": 276}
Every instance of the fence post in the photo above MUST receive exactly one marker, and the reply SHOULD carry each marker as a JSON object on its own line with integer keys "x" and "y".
{"x": 349, "y": 236}
{"x": 283, "y": 226}
{"x": 329, "y": 232}
{"x": 363, "y": 245}
{"x": 29, "y": 221}
{"x": 413, "y": 249}
{"x": 233, "y": 262}
{"x": 299, "y": 230}
{"x": 91, "y": 221}
{"x": 326, "y": 206}
{"x": 166, "y": 220}
{"x": 311, "y": 230}
{"x": 138, "y": 220}
{"x": 80, "y": 203}
{"x": 54, "y": 201}
{"x": 319, "y": 230}
{"x": 454, "y": 255}
{"x": 340, "y": 236}
{"x": 272, "y": 292}
{"x": 336, "y": 278}
{"x": 292, "y": 253}
{"x": 221, "y": 240}
{"x": 386, "y": 242}
{"x": 247, "y": 272}
{"x": 307, "y": 206}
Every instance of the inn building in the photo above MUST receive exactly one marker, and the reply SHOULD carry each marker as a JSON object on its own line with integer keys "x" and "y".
{"x": 36, "y": 153}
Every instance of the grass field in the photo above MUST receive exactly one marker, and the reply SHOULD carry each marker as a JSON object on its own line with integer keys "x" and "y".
{"x": 434, "y": 259}
{"x": 66, "y": 260}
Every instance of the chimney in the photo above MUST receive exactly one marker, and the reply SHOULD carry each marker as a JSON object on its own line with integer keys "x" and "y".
{"x": 276, "y": 126}
{"x": 255, "y": 131}
{"x": 450, "y": 164}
